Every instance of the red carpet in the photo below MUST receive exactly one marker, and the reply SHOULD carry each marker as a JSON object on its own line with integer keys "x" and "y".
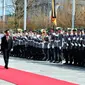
{"x": 19, "y": 77}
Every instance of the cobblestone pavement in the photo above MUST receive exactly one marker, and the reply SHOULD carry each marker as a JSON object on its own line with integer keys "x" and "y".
{"x": 55, "y": 70}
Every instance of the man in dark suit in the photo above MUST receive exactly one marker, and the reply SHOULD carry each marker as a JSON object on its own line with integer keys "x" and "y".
{"x": 6, "y": 45}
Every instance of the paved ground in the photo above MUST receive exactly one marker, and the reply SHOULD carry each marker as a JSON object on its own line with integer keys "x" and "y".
{"x": 59, "y": 71}
{"x": 2, "y": 82}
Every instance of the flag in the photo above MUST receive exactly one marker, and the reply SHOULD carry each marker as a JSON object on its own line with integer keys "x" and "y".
{"x": 53, "y": 20}
{"x": 53, "y": 13}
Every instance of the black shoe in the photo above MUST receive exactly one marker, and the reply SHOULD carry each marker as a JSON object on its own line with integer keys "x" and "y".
{"x": 66, "y": 63}
{"x": 6, "y": 67}
{"x": 47, "y": 59}
{"x": 50, "y": 61}
{"x": 54, "y": 61}
{"x": 44, "y": 58}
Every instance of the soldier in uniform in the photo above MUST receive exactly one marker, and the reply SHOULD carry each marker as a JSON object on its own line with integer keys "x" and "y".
{"x": 78, "y": 45}
{"x": 69, "y": 43}
{"x": 83, "y": 35}
{"x": 81, "y": 59}
{"x": 65, "y": 47}
{"x": 51, "y": 55}
{"x": 56, "y": 45}
{"x": 46, "y": 48}
{"x": 60, "y": 44}
{"x": 74, "y": 47}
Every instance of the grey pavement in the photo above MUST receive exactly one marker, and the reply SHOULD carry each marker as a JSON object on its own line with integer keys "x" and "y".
{"x": 68, "y": 73}
{"x": 2, "y": 82}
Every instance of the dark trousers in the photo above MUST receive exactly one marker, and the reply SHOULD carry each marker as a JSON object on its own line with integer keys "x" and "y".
{"x": 51, "y": 54}
{"x": 70, "y": 54}
{"x": 6, "y": 57}
{"x": 65, "y": 54}
{"x": 56, "y": 54}
{"x": 59, "y": 54}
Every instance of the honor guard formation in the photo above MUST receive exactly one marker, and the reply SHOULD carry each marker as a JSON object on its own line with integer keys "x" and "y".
{"x": 54, "y": 45}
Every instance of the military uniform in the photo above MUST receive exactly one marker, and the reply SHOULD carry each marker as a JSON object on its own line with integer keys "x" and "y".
{"x": 65, "y": 47}
{"x": 69, "y": 43}
{"x": 46, "y": 48}
{"x": 52, "y": 46}
{"x": 60, "y": 44}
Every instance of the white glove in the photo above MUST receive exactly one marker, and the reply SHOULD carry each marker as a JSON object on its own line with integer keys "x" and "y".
{"x": 67, "y": 44}
{"x": 81, "y": 39}
{"x": 72, "y": 44}
{"x": 12, "y": 49}
{"x": 75, "y": 44}
{"x": 77, "y": 38}
{"x": 60, "y": 48}
{"x": 74, "y": 38}
{"x": 52, "y": 46}
{"x": 69, "y": 38}
{"x": 79, "y": 45}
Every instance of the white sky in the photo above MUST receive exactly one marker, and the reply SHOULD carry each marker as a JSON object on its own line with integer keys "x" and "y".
{"x": 8, "y": 10}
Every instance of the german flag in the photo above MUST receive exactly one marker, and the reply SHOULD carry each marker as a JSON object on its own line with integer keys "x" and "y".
{"x": 53, "y": 13}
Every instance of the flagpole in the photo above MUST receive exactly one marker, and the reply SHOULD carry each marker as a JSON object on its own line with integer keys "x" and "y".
{"x": 57, "y": 6}
{"x": 25, "y": 13}
{"x": 53, "y": 14}
{"x": 3, "y": 13}
{"x": 73, "y": 14}
{"x": 3, "y": 10}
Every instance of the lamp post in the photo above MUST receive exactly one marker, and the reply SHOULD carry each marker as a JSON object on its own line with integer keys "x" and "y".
{"x": 25, "y": 13}
{"x": 73, "y": 14}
